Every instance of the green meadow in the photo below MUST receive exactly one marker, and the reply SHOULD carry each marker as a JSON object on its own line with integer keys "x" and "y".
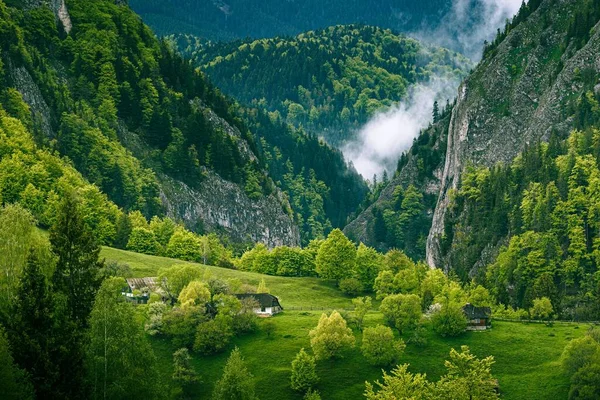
{"x": 527, "y": 355}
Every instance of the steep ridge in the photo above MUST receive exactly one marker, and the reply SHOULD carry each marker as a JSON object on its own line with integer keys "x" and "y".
{"x": 517, "y": 96}
{"x": 137, "y": 121}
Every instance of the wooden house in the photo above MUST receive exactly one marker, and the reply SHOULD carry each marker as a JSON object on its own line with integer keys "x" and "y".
{"x": 268, "y": 305}
{"x": 138, "y": 289}
{"x": 479, "y": 318}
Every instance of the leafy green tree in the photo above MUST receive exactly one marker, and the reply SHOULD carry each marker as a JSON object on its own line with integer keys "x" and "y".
{"x": 379, "y": 346}
{"x": 77, "y": 272}
{"x": 14, "y": 382}
{"x": 142, "y": 240}
{"x": 304, "y": 376}
{"x": 578, "y": 353}
{"x": 120, "y": 359}
{"x": 336, "y": 258}
{"x": 214, "y": 335}
{"x": 183, "y": 372}
{"x": 331, "y": 336}
{"x": 196, "y": 293}
{"x": 400, "y": 384}
{"x": 362, "y": 305}
{"x": 173, "y": 279}
{"x": 401, "y": 311}
{"x": 351, "y": 286}
{"x": 468, "y": 377}
{"x": 585, "y": 383}
{"x": 450, "y": 320}
{"x": 262, "y": 287}
{"x": 368, "y": 264}
{"x": 237, "y": 383}
{"x": 541, "y": 309}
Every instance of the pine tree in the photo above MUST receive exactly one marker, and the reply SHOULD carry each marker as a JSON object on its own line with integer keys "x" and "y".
{"x": 77, "y": 273}
{"x": 237, "y": 382}
{"x": 262, "y": 287}
{"x": 304, "y": 376}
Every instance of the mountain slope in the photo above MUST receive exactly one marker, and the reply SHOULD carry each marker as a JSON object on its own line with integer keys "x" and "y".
{"x": 330, "y": 81}
{"x": 234, "y": 19}
{"x": 133, "y": 118}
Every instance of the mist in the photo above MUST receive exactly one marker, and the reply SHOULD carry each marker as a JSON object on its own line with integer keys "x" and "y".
{"x": 468, "y": 24}
{"x": 381, "y": 141}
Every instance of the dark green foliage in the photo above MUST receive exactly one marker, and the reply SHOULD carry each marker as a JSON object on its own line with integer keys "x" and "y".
{"x": 14, "y": 382}
{"x": 77, "y": 273}
{"x": 330, "y": 81}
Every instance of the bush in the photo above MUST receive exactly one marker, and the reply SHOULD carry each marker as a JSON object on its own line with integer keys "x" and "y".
{"x": 579, "y": 352}
{"x": 331, "y": 336}
{"x": 351, "y": 286}
{"x": 379, "y": 346}
{"x": 213, "y": 336}
{"x": 401, "y": 310}
{"x": 450, "y": 320}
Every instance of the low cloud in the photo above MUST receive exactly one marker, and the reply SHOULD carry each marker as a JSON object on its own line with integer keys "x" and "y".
{"x": 381, "y": 141}
{"x": 469, "y": 23}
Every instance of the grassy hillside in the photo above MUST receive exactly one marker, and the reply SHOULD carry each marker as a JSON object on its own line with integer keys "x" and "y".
{"x": 527, "y": 355}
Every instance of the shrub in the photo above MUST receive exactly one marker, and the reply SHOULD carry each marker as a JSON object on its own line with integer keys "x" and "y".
{"x": 450, "y": 320}
{"x": 379, "y": 346}
{"x": 331, "y": 336}
{"x": 351, "y": 286}
{"x": 304, "y": 376}
{"x": 213, "y": 336}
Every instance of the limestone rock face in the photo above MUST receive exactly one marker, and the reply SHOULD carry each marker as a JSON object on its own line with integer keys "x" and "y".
{"x": 59, "y": 8}
{"x": 222, "y": 206}
{"x": 513, "y": 98}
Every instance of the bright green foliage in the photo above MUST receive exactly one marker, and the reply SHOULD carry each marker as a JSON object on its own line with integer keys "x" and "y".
{"x": 379, "y": 346}
{"x": 155, "y": 314}
{"x": 237, "y": 382}
{"x": 331, "y": 336}
{"x": 585, "y": 384}
{"x": 304, "y": 376}
{"x": 282, "y": 260}
{"x": 173, "y": 279}
{"x": 120, "y": 359}
{"x": 401, "y": 311}
{"x": 194, "y": 294}
{"x": 468, "y": 377}
{"x": 362, "y": 305}
{"x": 312, "y": 395}
{"x": 368, "y": 264}
{"x": 336, "y": 258}
{"x": 450, "y": 320}
{"x": 479, "y": 296}
{"x": 541, "y": 309}
{"x": 400, "y": 384}
{"x": 578, "y": 353}
{"x": 14, "y": 382}
{"x": 399, "y": 275}
{"x": 144, "y": 241}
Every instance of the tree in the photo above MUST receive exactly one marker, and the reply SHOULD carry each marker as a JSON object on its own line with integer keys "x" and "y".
{"x": 336, "y": 257}
{"x": 183, "y": 372}
{"x": 312, "y": 395}
{"x": 350, "y": 286}
{"x": 468, "y": 377}
{"x": 379, "y": 346}
{"x": 541, "y": 309}
{"x": 194, "y": 294}
{"x": 450, "y": 320}
{"x": 77, "y": 273}
{"x": 13, "y": 381}
{"x": 304, "y": 376}
{"x": 214, "y": 335}
{"x": 578, "y": 353}
{"x": 262, "y": 287}
{"x": 401, "y": 310}
{"x": 32, "y": 328}
{"x": 362, "y": 305}
{"x": 585, "y": 383}
{"x": 237, "y": 383}
{"x": 173, "y": 279}
{"x": 331, "y": 336}
{"x": 368, "y": 265}
{"x": 120, "y": 359}
{"x": 142, "y": 240}
{"x": 16, "y": 230}
{"x": 400, "y": 384}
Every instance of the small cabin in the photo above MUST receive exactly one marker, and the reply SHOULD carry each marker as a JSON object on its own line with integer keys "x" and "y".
{"x": 268, "y": 305}
{"x": 479, "y": 318}
{"x": 138, "y": 289}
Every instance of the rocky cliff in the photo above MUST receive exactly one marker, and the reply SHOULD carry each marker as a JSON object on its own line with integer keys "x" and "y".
{"x": 516, "y": 96}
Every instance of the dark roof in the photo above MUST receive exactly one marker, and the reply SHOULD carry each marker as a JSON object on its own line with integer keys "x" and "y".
{"x": 264, "y": 299}
{"x": 473, "y": 312}
{"x": 140, "y": 283}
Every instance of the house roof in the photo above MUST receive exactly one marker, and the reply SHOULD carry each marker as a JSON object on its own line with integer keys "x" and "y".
{"x": 473, "y": 312}
{"x": 140, "y": 283}
{"x": 264, "y": 299}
